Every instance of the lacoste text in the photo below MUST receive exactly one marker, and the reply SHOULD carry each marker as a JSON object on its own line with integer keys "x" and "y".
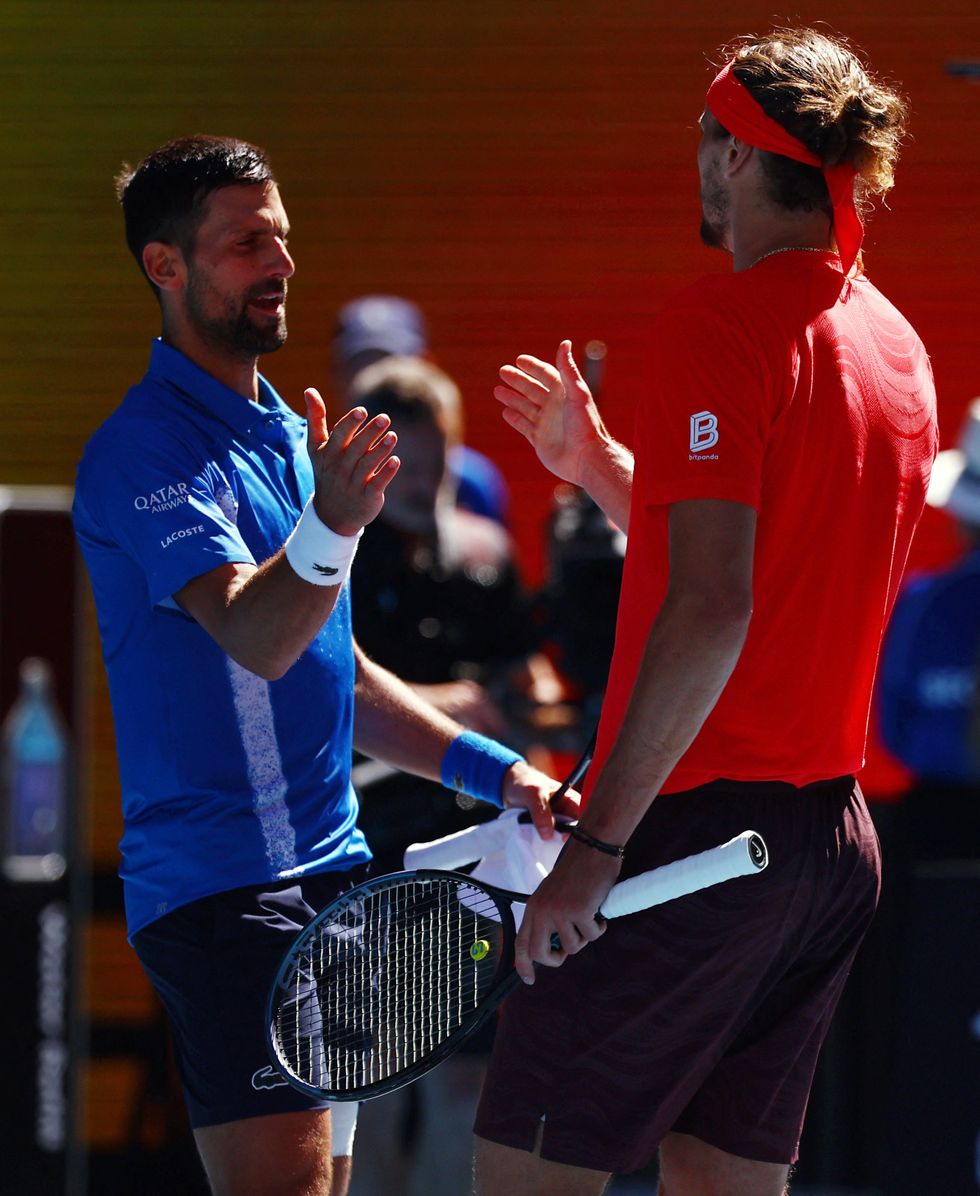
{"x": 182, "y": 534}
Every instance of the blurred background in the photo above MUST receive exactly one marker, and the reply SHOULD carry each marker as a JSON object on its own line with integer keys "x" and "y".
{"x": 523, "y": 172}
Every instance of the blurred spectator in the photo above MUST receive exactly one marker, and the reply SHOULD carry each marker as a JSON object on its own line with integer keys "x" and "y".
{"x": 929, "y": 670}
{"x": 921, "y": 987}
{"x": 436, "y": 596}
{"x": 437, "y": 592}
{"x": 376, "y": 326}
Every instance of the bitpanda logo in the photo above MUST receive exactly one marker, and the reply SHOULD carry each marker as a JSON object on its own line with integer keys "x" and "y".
{"x": 704, "y": 436}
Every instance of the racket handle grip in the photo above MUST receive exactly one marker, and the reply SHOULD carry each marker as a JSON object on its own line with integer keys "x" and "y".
{"x": 741, "y": 856}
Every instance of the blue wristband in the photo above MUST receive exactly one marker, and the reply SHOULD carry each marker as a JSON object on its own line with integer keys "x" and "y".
{"x": 476, "y": 765}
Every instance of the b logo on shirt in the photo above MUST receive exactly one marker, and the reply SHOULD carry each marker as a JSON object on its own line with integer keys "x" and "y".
{"x": 704, "y": 431}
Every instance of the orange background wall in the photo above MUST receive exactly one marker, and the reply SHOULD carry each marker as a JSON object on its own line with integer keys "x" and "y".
{"x": 523, "y": 170}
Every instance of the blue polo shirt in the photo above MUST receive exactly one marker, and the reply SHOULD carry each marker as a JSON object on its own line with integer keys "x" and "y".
{"x": 227, "y": 779}
{"x": 928, "y": 673}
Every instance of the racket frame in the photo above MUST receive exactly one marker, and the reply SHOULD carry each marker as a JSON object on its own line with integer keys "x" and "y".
{"x": 505, "y": 978}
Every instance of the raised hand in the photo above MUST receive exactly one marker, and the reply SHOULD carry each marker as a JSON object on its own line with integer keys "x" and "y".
{"x": 552, "y": 407}
{"x": 352, "y": 465}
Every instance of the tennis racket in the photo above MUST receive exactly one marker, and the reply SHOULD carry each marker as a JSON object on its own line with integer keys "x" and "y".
{"x": 392, "y": 976}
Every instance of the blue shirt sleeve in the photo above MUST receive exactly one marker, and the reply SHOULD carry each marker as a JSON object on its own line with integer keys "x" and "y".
{"x": 169, "y": 509}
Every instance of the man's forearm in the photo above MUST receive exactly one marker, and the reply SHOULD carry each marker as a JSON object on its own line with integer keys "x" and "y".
{"x": 606, "y": 475}
{"x": 392, "y": 723}
{"x": 264, "y": 618}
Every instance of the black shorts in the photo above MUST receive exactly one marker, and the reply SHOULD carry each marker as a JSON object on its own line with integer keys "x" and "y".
{"x": 212, "y": 963}
{"x": 704, "y": 1015}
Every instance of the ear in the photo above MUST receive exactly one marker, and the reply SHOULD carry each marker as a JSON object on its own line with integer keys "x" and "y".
{"x": 164, "y": 265}
{"x": 737, "y": 156}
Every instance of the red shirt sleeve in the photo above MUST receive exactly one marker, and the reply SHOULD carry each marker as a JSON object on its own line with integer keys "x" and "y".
{"x": 703, "y": 430}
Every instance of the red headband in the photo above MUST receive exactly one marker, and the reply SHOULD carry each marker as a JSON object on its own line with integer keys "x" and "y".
{"x": 733, "y": 105}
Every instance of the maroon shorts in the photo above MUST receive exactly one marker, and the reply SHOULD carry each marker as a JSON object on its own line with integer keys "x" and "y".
{"x": 705, "y": 1015}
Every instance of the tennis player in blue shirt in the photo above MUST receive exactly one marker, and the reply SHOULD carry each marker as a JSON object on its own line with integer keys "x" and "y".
{"x": 218, "y": 528}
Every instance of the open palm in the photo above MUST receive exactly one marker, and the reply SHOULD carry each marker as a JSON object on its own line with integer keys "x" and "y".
{"x": 553, "y": 408}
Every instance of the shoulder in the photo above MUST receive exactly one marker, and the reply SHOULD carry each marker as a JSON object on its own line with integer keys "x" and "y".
{"x": 142, "y": 456}
{"x": 715, "y": 309}
{"x": 716, "y": 334}
{"x": 865, "y": 287}
{"x": 709, "y": 293}
{"x": 115, "y": 440}
{"x": 902, "y": 337}
{"x": 147, "y": 425}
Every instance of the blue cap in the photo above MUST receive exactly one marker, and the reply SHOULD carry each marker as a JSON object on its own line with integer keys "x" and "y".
{"x": 383, "y": 324}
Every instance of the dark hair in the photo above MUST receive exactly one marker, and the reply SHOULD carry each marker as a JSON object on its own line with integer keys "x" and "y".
{"x": 821, "y": 92}
{"x": 163, "y": 199}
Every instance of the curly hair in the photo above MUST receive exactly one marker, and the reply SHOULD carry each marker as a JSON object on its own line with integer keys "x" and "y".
{"x": 823, "y": 94}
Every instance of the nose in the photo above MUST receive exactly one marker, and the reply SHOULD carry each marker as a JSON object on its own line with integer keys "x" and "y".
{"x": 283, "y": 265}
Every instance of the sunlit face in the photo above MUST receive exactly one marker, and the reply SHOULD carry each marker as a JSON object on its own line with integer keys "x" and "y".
{"x": 412, "y": 498}
{"x": 235, "y": 294}
{"x": 715, "y": 208}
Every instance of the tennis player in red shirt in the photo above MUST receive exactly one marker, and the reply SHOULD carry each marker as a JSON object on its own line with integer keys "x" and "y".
{"x": 782, "y": 459}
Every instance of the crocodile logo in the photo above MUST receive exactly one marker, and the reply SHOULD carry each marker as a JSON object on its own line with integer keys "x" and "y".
{"x": 267, "y": 1077}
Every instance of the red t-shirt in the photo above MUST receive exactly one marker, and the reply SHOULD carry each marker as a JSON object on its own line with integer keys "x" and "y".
{"x": 811, "y": 400}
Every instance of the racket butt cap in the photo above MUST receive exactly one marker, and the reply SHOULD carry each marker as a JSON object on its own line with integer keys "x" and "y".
{"x": 758, "y": 853}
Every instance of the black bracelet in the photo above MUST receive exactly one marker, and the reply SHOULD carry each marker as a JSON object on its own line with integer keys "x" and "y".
{"x": 581, "y": 836}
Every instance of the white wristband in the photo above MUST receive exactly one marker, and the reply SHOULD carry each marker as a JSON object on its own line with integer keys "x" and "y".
{"x": 317, "y": 554}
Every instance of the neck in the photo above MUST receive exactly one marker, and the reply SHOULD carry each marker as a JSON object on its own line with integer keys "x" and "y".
{"x": 763, "y": 231}
{"x": 240, "y": 374}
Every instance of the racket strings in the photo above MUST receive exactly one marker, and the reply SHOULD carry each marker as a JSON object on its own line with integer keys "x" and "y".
{"x": 386, "y": 981}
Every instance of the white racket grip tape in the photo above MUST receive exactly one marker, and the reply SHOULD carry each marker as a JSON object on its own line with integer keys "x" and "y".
{"x": 463, "y": 847}
{"x": 741, "y": 856}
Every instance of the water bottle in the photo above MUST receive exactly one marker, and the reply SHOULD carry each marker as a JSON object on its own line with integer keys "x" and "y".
{"x": 35, "y": 774}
